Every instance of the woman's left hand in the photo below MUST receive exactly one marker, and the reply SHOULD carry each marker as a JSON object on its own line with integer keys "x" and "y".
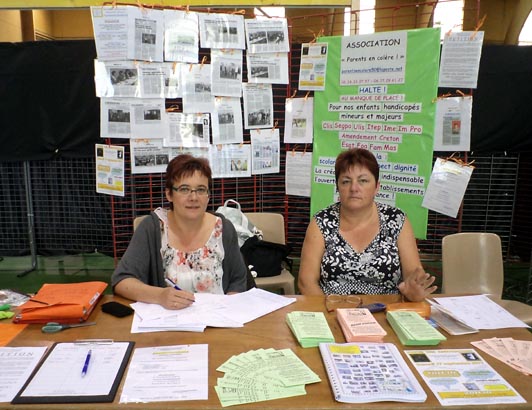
{"x": 417, "y": 286}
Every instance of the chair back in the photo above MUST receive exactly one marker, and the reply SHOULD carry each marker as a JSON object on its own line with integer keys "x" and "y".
{"x": 137, "y": 221}
{"x": 472, "y": 263}
{"x": 270, "y": 223}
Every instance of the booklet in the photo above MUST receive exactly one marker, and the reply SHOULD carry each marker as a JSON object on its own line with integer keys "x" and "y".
{"x": 359, "y": 325}
{"x": 309, "y": 328}
{"x": 369, "y": 372}
{"x": 413, "y": 330}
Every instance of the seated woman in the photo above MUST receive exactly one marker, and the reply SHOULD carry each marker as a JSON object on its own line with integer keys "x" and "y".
{"x": 359, "y": 246}
{"x": 184, "y": 245}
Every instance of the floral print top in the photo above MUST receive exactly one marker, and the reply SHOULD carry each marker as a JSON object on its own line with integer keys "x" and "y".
{"x": 376, "y": 270}
{"x": 199, "y": 271}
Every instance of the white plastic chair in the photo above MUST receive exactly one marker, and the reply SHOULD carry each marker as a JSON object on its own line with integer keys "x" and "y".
{"x": 472, "y": 263}
{"x": 272, "y": 226}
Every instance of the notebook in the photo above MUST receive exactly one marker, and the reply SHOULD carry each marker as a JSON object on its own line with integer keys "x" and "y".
{"x": 359, "y": 325}
{"x": 369, "y": 372}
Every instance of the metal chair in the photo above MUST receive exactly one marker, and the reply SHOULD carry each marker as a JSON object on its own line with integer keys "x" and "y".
{"x": 272, "y": 226}
{"x": 472, "y": 263}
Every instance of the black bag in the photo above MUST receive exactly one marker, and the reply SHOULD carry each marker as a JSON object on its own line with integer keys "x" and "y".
{"x": 265, "y": 257}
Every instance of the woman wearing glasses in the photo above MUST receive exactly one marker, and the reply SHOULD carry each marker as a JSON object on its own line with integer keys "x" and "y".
{"x": 177, "y": 252}
{"x": 359, "y": 246}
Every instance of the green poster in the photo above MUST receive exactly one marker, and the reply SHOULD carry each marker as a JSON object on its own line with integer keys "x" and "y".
{"x": 380, "y": 92}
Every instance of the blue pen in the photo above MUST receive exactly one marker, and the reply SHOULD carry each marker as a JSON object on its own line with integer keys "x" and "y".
{"x": 86, "y": 364}
{"x": 172, "y": 284}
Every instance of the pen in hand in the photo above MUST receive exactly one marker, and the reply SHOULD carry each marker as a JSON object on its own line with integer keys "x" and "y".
{"x": 174, "y": 285}
{"x": 86, "y": 364}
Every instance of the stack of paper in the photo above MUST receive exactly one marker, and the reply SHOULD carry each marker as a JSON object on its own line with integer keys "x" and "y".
{"x": 309, "y": 328}
{"x": 413, "y": 330}
{"x": 449, "y": 322}
{"x": 359, "y": 325}
{"x": 263, "y": 374}
{"x": 515, "y": 353}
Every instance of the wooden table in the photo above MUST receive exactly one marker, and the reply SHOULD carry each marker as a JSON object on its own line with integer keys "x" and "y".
{"x": 269, "y": 331}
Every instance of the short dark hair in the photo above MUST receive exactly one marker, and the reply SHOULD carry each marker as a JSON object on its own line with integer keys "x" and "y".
{"x": 186, "y": 165}
{"x": 356, "y": 157}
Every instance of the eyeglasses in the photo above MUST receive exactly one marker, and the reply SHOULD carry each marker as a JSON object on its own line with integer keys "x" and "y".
{"x": 333, "y": 302}
{"x": 186, "y": 190}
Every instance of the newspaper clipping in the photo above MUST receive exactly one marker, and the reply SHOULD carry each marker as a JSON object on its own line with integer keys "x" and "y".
{"x": 271, "y": 68}
{"x": 258, "y": 105}
{"x": 222, "y": 30}
{"x": 187, "y": 130}
{"x": 230, "y": 161}
{"x": 196, "y": 87}
{"x": 226, "y": 72}
{"x": 145, "y": 34}
{"x": 227, "y": 121}
{"x": 267, "y": 36}
{"x": 265, "y": 151}
{"x": 298, "y": 120}
{"x": 181, "y": 36}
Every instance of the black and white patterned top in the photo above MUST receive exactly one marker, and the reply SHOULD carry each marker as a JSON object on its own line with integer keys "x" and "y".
{"x": 377, "y": 270}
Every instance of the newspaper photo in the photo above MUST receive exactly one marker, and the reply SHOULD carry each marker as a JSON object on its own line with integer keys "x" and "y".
{"x": 115, "y": 117}
{"x": 181, "y": 36}
{"x": 227, "y": 121}
{"x": 187, "y": 130}
{"x": 258, "y": 105}
{"x": 145, "y": 34}
{"x": 116, "y": 79}
{"x": 265, "y": 151}
{"x": 230, "y": 160}
{"x": 226, "y": 67}
{"x": 110, "y": 31}
{"x": 267, "y": 36}
{"x": 196, "y": 86}
{"x": 270, "y": 68}
{"x": 149, "y": 156}
{"x": 109, "y": 169}
{"x": 222, "y": 31}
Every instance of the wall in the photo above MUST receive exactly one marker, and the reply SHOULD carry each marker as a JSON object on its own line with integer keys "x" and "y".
{"x": 11, "y": 26}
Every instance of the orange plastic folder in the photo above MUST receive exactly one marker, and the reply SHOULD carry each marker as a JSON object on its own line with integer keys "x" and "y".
{"x": 61, "y": 302}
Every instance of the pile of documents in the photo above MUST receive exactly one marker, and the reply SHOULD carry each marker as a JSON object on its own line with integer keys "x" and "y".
{"x": 359, "y": 325}
{"x": 208, "y": 310}
{"x": 448, "y": 322}
{"x": 515, "y": 353}
{"x": 263, "y": 374}
{"x": 309, "y": 328}
{"x": 412, "y": 329}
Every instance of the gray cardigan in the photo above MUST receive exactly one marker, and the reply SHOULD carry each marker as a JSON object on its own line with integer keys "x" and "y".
{"x": 143, "y": 260}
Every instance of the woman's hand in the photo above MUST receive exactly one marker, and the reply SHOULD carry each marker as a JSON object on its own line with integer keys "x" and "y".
{"x": 417, "y": 285}
{"x": 174, "y": 299}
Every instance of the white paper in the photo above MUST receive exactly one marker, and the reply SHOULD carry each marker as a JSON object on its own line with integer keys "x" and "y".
{"x": 227, "y": 121}
{"x": 196, "y": 86}
{"x": 460, "y": 59}
{"x": 110, "y": 31}
{"x": 267, "y": 68}
{"x": 258, "y": 105}
{"x": 267, "y": 36}
{"x": 115, "y": 118}
{"x": 17, "y": 363}
{"x": 167, "y": 373}
{"x": 480, "y": 312}
{"x": 313, "y": 66}
{"x": 297, "y": 173}
{"x": 145, "y": 34}
{"x": 447, "y": 186}
{"x": 453, "y": 124}
{"x": 110, "y": 169}
{"x": 265, "y": 151}
{"x": 181, "y": 36}
{"x": 230, "y": 160}
{"x": 188, "y": 130}
{"x": 221, "y": 30}
{"x": 299, "y": 118}
{"x": 226, "y": 66}
{"x": 60, "y": 375}
{"x": 148, "y": 118}
{"x": 149, "y": 156}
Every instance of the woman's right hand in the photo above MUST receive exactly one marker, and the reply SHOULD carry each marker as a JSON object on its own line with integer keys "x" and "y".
{"x": 174, "y": 299}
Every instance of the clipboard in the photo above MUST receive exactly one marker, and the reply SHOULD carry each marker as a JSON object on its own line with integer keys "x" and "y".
{"x": 58, "y": 378}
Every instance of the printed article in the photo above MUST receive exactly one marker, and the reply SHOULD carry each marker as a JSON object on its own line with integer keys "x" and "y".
{"x": 222, "y": 31}
{"x": 110, "y": 169}
{"x": 196, "y": 87}
{"x": 149, "y": 118}
{"x": 116, "y": 79}
{"x": 270, "y": 68}
{"x": 110, "y": 31}
{"x": 267, "y": 36}
{"x": 229, "y": 161}
{"x": 226, "y": 68}
{"x": 298, "y": 124}
{"x": 297, "y": 173}
{"x": 145, "y": 31}
{"x": 258, "y": 105}
{"x": 453, "y": 124}
{"x": 181, "y": 36}
{"x": 115, "y": 117}
{"x": 187, "y": 130}
{"x": 313, "y": 66}
{"x": 227, "y": 121}
{"x": 265, "y": 151}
